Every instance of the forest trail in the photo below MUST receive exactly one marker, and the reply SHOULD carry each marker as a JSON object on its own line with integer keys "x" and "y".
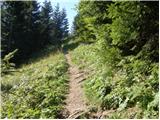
{"x": 75, "y": 102}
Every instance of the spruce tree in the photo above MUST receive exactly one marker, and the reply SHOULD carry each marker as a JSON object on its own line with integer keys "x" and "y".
{"x": 64, "y": 24}
{"x": 60, "y": 30}
{"x": 16, "y": 27}
{"x": 46, "y": 14}
{"x": 57, "y": 23}
{"x": 36, "y": 26}
{"x": 6, "y": 28}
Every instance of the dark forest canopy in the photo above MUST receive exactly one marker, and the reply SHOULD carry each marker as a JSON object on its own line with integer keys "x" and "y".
{"x": 28, "y": 28}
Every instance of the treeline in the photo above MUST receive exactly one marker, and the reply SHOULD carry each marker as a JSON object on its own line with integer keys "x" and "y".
{"x": 29, "y": 27}
{"x": 126, "y": 41}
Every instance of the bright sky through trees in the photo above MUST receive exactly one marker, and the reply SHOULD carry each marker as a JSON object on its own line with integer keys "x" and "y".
{"x": 69, "y": 5}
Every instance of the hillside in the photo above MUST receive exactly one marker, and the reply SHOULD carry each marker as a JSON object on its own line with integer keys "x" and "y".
{"x": 36, "y": 89}
{"x": 106, "y": 67}
{"x": 115, "y": 97}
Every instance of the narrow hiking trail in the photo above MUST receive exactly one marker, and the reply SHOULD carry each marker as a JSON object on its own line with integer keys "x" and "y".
{"x": 76, "y": 106}
{"x": 75, "y": 102}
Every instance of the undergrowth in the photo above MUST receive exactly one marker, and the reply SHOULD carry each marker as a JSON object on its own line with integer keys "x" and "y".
{"x": 130, "y": 85}
{"x": 37, "y": 89}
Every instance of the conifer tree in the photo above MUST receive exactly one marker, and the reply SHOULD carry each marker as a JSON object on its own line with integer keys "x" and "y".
{"x": 64, "y": 25}
{"x": 16, "y": 23}
{"x": 27, "y": 28}
{"x": 56, "y": 29}
{"x": 6, "y": 28}
{"x": 36, "y": 26}
{"x": 46, "y": 14}
{"x": 60, "y": 30}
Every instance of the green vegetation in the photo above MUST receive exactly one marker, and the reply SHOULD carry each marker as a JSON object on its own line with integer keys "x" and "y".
{"x": 7, "y": 66}
{"x": 37, "y": 89}
{"x": 120, "y": 51}
{"x": 34, "y": 71}
{"x": 118, "y": 89}
{"x": 116, "y": 43}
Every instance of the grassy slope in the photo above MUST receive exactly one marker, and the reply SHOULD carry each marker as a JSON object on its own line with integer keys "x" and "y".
{"x": 108, "y": 93}
{"x": 37, "y": 89}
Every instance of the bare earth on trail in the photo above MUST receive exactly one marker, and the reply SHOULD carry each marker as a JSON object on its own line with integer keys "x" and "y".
{"x": 75, "y": 102}
{"x": 76, "y": 106}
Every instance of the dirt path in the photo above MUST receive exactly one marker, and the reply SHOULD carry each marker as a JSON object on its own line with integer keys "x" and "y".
{"x": 75, "y": 102}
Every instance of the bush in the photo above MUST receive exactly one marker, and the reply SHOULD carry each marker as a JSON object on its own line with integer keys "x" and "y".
{"x": 6, "y": 65}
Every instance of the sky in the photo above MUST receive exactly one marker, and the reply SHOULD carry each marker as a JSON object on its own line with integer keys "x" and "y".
{"x": 69, "y": 5}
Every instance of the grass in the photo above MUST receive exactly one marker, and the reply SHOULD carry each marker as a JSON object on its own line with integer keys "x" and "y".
{"x": 37, "y": 89}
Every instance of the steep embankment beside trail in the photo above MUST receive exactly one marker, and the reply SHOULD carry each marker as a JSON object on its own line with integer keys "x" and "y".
{"x": 38, "y": 89}
{"x": 116, "y": 93}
